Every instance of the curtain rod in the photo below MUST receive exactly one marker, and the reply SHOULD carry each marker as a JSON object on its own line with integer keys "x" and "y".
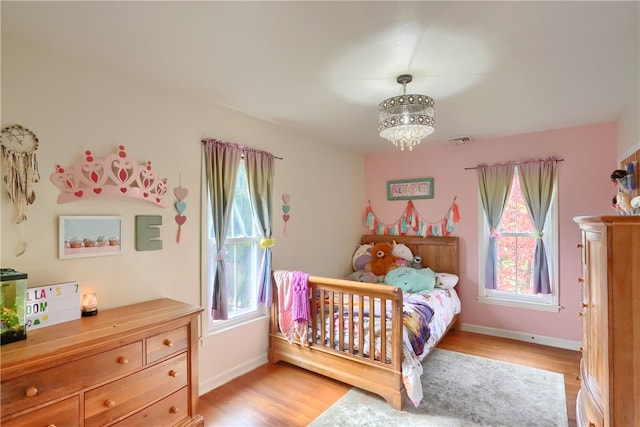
{"x": 204, "y": 141}
{"x": 516, "y": 163}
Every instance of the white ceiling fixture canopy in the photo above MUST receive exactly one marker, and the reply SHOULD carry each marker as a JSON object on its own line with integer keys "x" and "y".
{"x": 407, "y": 119}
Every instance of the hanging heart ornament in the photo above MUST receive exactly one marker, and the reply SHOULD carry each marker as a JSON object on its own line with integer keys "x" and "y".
{"x": 180, "y": 207}
{"x": 180, "y": 193}
{"x": 285, "y": 210}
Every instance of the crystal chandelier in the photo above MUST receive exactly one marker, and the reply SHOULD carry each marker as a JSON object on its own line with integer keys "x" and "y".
{"x": 406, "y": 120}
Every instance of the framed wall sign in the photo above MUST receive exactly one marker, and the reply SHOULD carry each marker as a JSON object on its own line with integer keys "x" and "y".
{"x": 410, "y": 189}
{"x": 87, "y": 236}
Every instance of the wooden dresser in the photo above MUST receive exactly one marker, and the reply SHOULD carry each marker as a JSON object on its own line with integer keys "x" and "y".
{"x": 128, "y": 366}
{"x": 610, "y": 368}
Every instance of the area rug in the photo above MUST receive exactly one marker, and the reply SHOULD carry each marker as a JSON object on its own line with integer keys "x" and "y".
{"x": 462, "y": 390}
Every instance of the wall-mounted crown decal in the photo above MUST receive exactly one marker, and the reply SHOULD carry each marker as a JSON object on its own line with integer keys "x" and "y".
{"x": 115, "y": 175}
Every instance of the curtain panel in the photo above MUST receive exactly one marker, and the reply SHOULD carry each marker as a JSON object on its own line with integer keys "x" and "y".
{"x": 260, "y": 172}
{"x": 494, "y": 184}
{"x": 222, "y": 160}
{"x": 537, "y": 181}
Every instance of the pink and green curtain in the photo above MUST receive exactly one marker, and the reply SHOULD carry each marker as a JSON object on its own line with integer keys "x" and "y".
{"x": 222, "y": 160}
{"x": 494, "y": 184}
{"x": 537, "y": 183}
{"x": 260, "y": 172}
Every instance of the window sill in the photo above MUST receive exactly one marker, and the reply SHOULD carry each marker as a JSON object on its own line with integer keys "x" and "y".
{"x": 521, "y": 304}
{"x": 216, "y": 332}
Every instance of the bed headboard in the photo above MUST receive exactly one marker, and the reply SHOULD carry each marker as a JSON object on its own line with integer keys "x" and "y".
{"x": 438, "y": 253}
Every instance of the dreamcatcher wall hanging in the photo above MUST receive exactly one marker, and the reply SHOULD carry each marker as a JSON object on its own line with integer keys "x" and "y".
{"x": 412, "y": 221}
{"x": 20, "y": 167}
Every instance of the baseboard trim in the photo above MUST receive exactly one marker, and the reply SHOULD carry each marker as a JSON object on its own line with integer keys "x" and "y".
{"x": 521, "y": 336}
{"x": 217, "y": 381}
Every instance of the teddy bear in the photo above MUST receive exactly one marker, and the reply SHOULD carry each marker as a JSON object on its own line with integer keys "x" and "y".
{"x": 382, "y": 259}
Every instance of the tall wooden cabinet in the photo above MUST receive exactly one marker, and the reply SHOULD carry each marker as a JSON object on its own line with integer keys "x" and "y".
{"x": 135, "y": 365}
{"x": 610, "y": 368}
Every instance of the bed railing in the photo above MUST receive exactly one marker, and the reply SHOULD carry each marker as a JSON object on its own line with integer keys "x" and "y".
{"x": 336, "y": 321}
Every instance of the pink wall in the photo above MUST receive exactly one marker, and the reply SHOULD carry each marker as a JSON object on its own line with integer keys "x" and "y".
{"x": 583, "y": 188}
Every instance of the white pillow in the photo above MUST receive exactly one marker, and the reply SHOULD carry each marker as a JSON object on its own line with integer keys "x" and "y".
{"x": 446, "y": 280}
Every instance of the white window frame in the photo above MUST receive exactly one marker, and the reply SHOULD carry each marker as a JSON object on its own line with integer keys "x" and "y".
{"x": 548, "y": 302}
{"x": 208, "y": 251}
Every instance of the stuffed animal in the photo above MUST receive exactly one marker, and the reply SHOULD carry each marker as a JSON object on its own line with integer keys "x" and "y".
{"x": 416, "y": 262}
{"x": 401, "y": 250}
{"x": 411, "y": 280}
{"x": 382, "y": 259}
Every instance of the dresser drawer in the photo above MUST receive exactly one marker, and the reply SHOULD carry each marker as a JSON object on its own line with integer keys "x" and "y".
{"x": 169, "y": 411}
{"x": 34, "y": 389}
{"x": 167, "y": 343}
{"x": 61, "y": 414}
{"x": 114, "y": 400}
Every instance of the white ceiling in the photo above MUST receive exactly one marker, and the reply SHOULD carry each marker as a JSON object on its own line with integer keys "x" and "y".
{"x": 321, "y": 68}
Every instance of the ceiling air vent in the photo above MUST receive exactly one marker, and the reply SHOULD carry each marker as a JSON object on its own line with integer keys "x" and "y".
{"x": 459, "y": 140}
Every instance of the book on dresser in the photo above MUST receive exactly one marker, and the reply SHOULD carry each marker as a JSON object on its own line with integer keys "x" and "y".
{"x": 609, "y": 394}
{"x": 127, "y": 366}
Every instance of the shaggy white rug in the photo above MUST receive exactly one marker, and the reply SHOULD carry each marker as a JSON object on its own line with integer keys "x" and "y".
{"x": 462, "y": 390}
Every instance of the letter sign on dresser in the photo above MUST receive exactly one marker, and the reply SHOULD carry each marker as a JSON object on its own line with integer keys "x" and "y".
{"x": 609, "y": 394}
{"x": 135, "y": 365}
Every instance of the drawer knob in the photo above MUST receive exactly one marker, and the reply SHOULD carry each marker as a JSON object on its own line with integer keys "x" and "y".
{"x": 31, "y": 391}
{"x": 580, "y": 280}
{"x": 174, "y": 410}
{"x": 173, "y": 373}
{"x": 168, "y": 342}
{"x": 585, "y": 305}
{"x": 109, "y": 403}
{"x": 51, "y": 425}
{"x": 123, "y": 360}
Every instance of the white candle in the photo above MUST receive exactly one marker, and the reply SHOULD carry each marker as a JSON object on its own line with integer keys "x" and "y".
{"x": 89, "y": 303}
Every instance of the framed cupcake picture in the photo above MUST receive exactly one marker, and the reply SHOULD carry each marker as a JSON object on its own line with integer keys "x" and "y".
{"x": 88, "y": 236}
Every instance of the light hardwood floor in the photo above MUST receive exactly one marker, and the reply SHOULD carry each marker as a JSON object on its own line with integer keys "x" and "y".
{"x": 284, "y": 395}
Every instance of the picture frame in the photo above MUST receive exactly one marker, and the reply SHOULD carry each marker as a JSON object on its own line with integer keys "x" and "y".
{"x": 410, "y": 189}
{"x": 89, "y": 236}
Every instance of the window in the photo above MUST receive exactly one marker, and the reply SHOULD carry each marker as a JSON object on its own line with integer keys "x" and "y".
{"x": 515, "y": 248}
{"x": 243, "y": 257}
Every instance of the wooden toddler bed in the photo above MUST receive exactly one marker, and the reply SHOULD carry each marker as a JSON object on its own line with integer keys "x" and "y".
{"x": 354, "y": 354}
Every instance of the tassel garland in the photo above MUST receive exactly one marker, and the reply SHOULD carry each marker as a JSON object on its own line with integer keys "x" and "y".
{"x": 411, "y": 220}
